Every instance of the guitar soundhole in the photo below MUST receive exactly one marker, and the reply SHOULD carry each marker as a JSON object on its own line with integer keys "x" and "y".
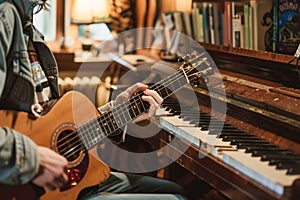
{"x": 69, "y": 145}
{"x": 66, "y": 142}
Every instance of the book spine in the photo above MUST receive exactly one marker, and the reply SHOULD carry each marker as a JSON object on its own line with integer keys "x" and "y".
{"x": 253, "y": 6}
{"x": 251, "y": 43}
{"x": 206, "y": 23}
{"x": 237, "y": 31}
{"x": 288, "y": 26}
{"x": 211, "y": 23}
{"x": 275, "y": 26}
{"x": 246, "y": 26}
{"x": 227, "y": 23}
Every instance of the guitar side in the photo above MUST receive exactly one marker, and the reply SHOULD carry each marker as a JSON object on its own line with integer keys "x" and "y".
{"x": 72, "y": 110}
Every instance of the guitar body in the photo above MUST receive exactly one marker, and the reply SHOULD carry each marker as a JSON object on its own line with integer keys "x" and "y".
{"x": 57, "y": 130}
{"x": 73, "y": 125}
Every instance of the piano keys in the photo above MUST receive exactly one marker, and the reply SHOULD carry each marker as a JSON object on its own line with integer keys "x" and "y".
{"x": 243, "y": 151}
{"x": 252, "y": 152}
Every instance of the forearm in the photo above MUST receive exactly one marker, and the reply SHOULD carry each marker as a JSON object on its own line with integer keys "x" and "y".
{"x": 18, "y": 157}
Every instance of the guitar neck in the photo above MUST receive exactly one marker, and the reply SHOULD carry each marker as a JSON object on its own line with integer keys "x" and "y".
{"x": 104, "y": 125}
{"x": 135, "y": 106}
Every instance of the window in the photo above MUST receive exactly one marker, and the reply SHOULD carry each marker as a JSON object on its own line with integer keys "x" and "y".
{"x": 45, "y": 21}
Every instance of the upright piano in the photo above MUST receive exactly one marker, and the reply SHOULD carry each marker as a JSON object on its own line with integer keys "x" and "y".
{"x": 256, "y": 152}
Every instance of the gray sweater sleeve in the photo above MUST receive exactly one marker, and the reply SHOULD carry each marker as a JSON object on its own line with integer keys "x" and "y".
{"x": 19, "y": 161}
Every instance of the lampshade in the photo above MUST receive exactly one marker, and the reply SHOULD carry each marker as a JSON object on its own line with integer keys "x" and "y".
{"x": 176, "y": 5}
{"x": 90, "y": 11}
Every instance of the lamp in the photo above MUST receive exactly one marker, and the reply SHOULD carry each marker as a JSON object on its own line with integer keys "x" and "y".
{"x": 86, "y": 12}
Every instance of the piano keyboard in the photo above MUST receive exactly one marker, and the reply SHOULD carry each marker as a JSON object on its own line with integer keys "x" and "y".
{"x": 267, "y": 164}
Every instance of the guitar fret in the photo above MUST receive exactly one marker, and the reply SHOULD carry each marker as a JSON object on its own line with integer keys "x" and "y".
{"x": 104, "y": 126}
{"x": 134, "y": 108}
{"x": 88, "y": 135}
{"x": 142, "y": 104}
{"x": 95, "y": 130}
{"x": 122, "y": 113}
{"x": 164, "y": 92}
{"x": 127, "y": 114}
{"x": 82, "y": 138}
{"x": 120, "y": 116}
{"x": 173, "y": 88}
{"x": 111, "y": 122}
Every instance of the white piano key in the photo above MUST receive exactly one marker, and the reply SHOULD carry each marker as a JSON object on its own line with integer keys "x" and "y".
{"x": 266, "y": 175}
{"x": 270, "y": 177}
{"x": 173, "y": 124}
{"x": 175, "y": 121}
{"x": 209, "y": 143}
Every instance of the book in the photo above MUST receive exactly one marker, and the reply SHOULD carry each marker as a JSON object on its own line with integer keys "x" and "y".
{"x": 247, "y": 25}
{"x": 274, "y": 38}
{"x": 288, "y": 26}
{"x": 211, "y": 23}
{"x": 238, "y": 20}
{"x": 237, "y": 32}
{"x": 206, "y": 29}
{"x": 217, "y": 22}
{"x": 187, "y": 22}
{"x": 227, "y": 23}
{"x": 250, "y": 12}
{"x": 197, "y": 23}
{"x": 262, "y": 25}
{"x": 178, "y": 21}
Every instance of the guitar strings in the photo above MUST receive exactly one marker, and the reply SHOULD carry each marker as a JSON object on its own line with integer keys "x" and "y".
{"x": 79, "y": 146}
{"x": 61, "y": 146}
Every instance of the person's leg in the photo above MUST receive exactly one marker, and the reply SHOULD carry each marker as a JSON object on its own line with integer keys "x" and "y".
{"x": 135, "y": 197}
{"x": 135, "y": 185}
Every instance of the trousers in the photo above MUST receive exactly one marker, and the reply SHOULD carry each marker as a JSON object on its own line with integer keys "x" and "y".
{"x": 133, "y": 187}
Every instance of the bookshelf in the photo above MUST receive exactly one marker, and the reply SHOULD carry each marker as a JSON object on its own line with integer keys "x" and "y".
{"x": 267, "y": 25}
{"x": 259, "y": 58}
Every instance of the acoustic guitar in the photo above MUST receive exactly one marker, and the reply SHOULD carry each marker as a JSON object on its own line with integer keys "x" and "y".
{"x": 73, "y": 126}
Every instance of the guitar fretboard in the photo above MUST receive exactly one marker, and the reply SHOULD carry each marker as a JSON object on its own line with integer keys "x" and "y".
{"x": 104, "y": 125}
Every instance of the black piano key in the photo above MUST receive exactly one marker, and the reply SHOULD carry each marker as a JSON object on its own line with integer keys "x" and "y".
{"x": 231, "y": 131}
{"x": 282, "y": 158}
{"x": 276, "y": 161}
{"x": 293, "y": 171}
{"x": 265, "y": 152}
{"x": 195, "y": 113}
{"x": 204, "y": 128}
{"x": 191, "y": 116}
{"x": 225, "y": 131}
{"x": 259, "y": 148}
{"x": 218, "y": 132}
{"x": 253, "y": 141}
{"x": 288, "y": 165}
{"x": 211, "y": 126}
{"x": 205, "y": 120}
{"x": 279, "y": 156}
{"x": 245, "y": 145}
{"x": 247, "y": 137}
